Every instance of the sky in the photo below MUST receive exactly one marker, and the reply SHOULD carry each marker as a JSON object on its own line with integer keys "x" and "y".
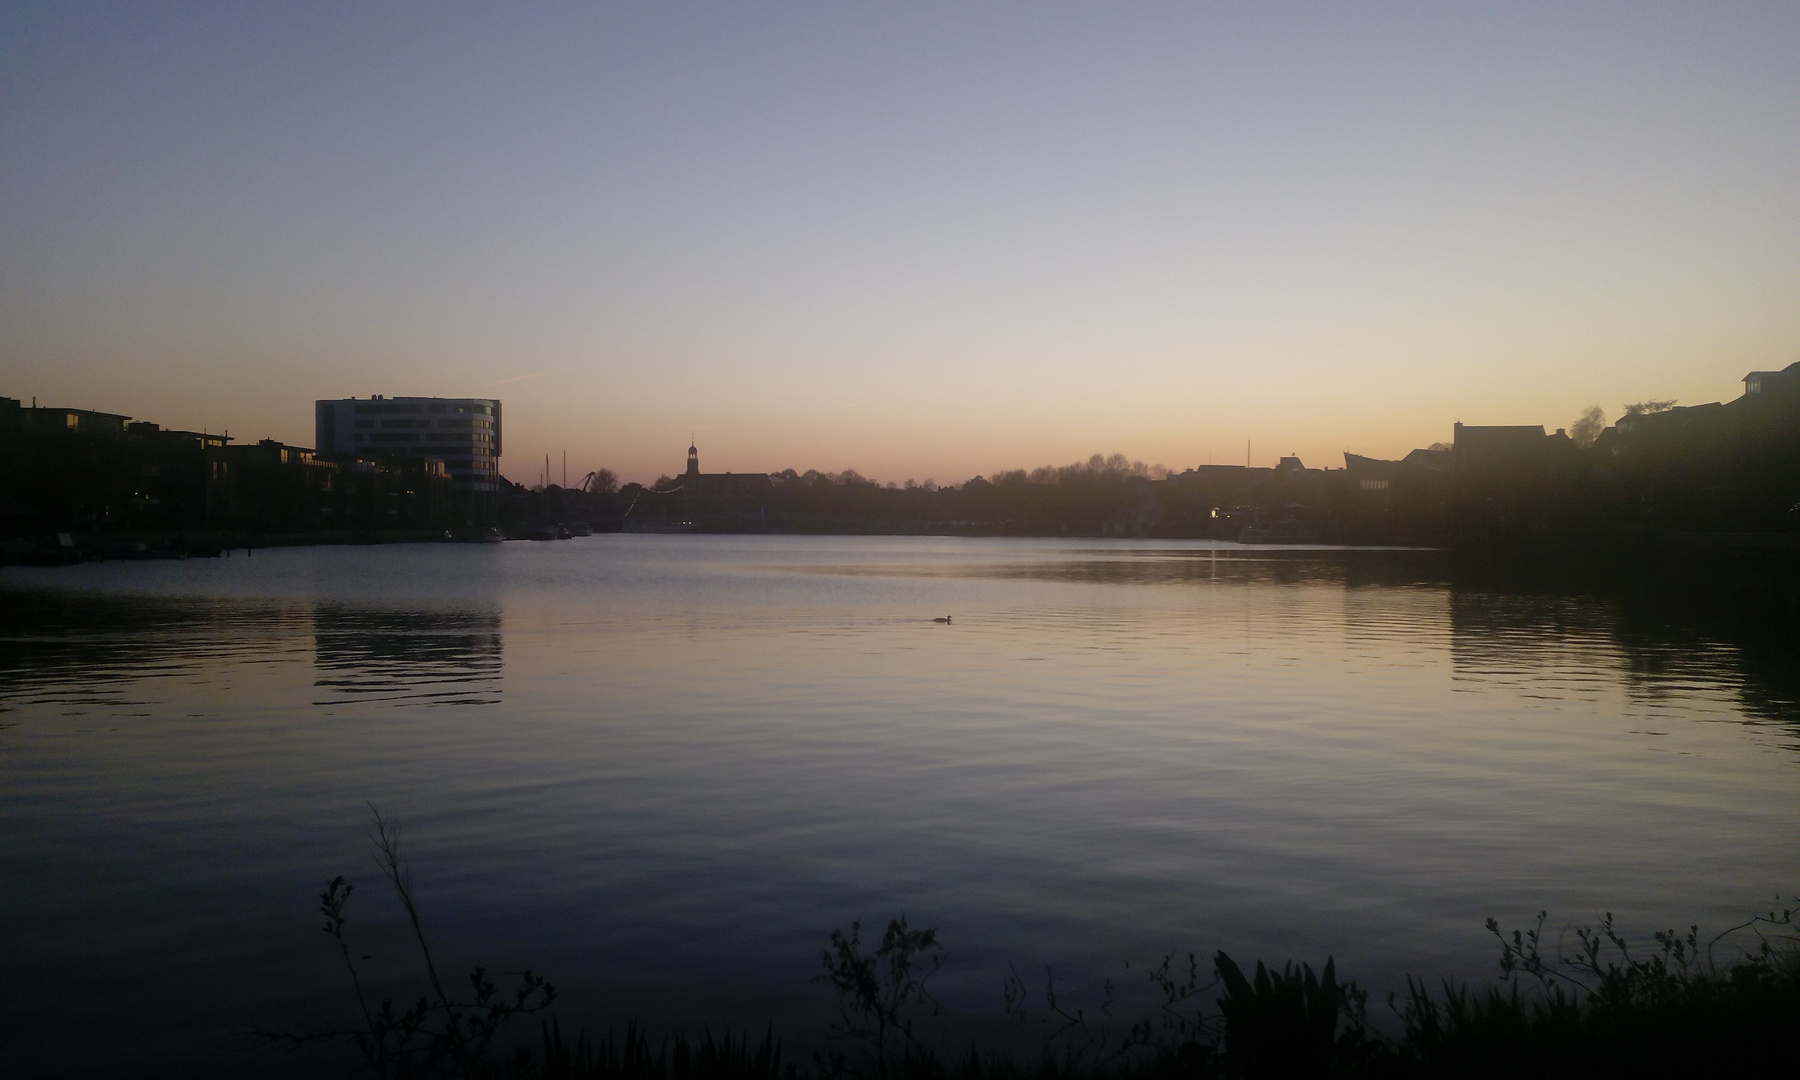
{"x": 918, "y": 240}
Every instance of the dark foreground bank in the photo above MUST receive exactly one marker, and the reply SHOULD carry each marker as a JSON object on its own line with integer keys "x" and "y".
{"x": 1685, "y": 1004}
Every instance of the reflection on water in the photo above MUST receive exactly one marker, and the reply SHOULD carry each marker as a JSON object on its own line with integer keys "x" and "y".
{"x": 677, "y": 762}
{"x": 1666, "y": 654}
{"x": 1175, "y": 566}
{"x": 81, "y": 650}
{"x": 407, "y": 657}
{"x": 87, "y": 650}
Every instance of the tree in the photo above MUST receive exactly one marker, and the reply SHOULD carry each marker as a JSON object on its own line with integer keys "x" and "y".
{"x": 1649, "y": 406}
{"x": 1588, "y": 426}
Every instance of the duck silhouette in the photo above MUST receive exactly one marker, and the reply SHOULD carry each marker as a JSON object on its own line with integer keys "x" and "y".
{"x": 942, "y": 619}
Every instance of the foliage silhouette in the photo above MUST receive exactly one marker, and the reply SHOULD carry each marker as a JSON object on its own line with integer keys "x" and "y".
{"x": 1292, "y": 1022}
{"x": 880, "y": 994}
{"x": 1587, "y": 427}
{"x": 440, "y": 1033}
{"x": 1602, "y": 1007}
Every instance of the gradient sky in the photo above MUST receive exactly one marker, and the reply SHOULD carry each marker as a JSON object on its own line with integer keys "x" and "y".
{"x": 919, "y": 240}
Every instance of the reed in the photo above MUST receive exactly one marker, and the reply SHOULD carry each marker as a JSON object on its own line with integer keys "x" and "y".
{"x": 1684, "y": 1003}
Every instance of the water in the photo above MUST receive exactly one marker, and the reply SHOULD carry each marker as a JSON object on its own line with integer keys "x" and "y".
{"x": 663, "y": 769}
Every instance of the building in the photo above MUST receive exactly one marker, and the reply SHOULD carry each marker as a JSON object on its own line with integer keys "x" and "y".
{"x": 43, "y": 420}
{"x": 733, "y": 497}
{"x": 710, "y": 502}
{"x": 183, "y": 477}
{"x": 1514, "y": 480}
{"x": 1785, "y": 381}
{"x": 463, "y": 433}
{"x": 1377, "y": 501}
{"x": 64, "y": 468}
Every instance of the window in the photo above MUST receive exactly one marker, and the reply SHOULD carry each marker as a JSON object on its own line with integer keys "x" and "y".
{"x": 1374, "y": 485}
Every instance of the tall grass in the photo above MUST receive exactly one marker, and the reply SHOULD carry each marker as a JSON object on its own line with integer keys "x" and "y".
{"x": 1724, "y": 1005}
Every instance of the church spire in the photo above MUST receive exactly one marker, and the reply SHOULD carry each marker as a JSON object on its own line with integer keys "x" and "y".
{"x": 693, "y": 459}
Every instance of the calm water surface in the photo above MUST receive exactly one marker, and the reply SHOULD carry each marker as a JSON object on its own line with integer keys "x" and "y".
{"x": 662, "y": 769}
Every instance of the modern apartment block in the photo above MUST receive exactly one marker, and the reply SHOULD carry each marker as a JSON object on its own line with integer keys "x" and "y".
{"x": 464, "y": 433}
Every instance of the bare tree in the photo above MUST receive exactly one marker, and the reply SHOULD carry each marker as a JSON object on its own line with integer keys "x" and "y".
{"x": 600, "y": 482}
{"x": 1588, "y": 426}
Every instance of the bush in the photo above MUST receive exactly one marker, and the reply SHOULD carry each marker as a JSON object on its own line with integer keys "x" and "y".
{"x": 1681, "y": 1006}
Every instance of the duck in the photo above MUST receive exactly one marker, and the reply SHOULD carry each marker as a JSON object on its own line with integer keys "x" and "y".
{"x": 942, "y": 619}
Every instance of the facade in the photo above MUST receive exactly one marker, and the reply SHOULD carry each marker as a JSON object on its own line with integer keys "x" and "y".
{"x": 710, "y": 502}
{"x": 463, "y": 433}
{"x": 737, "y": 497}
{"x": 1512, "y": 481}
{"x": 1786, "y": 380}
{"x": 84, "y": 471}
{"x": 37, "y": 419}
{"x": 1376, "y": 501}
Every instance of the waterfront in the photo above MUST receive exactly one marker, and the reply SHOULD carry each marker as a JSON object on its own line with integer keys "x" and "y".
{"x": 661, "y": 769}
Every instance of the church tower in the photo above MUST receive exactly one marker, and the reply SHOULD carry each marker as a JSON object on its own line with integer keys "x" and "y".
{"x": 693, "y": 461}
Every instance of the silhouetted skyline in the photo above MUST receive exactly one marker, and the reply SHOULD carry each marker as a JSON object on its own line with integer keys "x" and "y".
{"x": 920, "y": 242}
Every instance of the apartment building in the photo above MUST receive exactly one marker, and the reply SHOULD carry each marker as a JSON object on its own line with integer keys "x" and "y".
{"x": 463, "y": 433}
